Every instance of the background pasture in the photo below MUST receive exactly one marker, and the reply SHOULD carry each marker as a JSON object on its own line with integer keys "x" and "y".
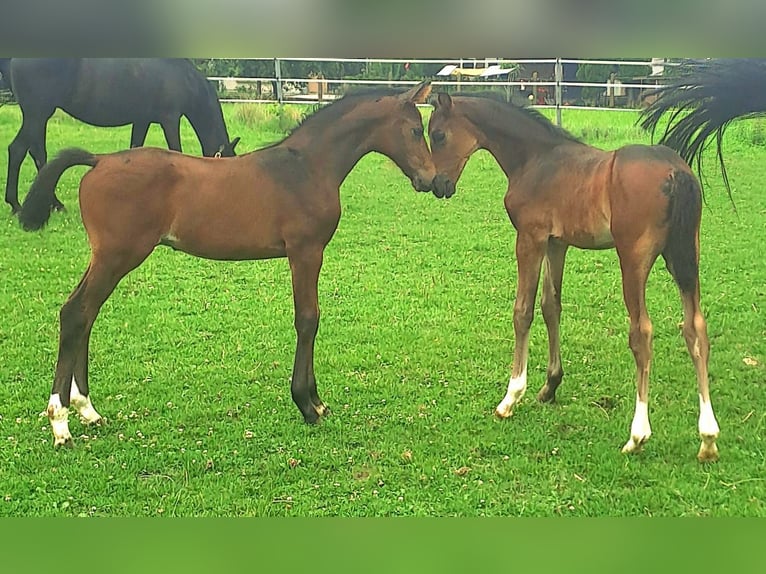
{"x": 190, "y": 361}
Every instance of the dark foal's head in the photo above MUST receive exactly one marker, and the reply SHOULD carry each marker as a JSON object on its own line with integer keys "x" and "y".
{"x": 452, "y": 143}
{"x": 403, "y": 140}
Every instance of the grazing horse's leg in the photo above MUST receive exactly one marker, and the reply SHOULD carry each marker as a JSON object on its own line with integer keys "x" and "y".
{"x": 529, "y": 255}
{"x": 172, "y": 130}
{"x": 138, "y": 133}
{"x": 695, "y": 334}
{"x": 30, "y": 138}
{"x": 70, "y": 384}
{"x": 635, "y": 265}
{"x": 39, "y": 152}
{"x": 550, "y": 302}
{"x": 17, "y": 150}
{"x": 305, "y": 264}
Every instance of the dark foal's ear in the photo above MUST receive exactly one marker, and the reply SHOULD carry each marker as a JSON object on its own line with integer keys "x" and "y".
{"x": 419, "y": 94}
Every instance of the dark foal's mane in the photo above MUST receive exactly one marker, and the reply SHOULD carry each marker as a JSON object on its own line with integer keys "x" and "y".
{"x": 525, "y": 111}
{"x": 331, "y": 112}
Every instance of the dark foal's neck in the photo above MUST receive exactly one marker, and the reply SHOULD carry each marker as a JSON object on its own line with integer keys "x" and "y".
{"x": 513, "y": 135}
{"x": 335, "y": 138}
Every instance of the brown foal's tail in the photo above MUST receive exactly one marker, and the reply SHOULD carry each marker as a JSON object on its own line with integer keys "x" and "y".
{"x": 684, "y": 214}
{"x": 39, "y": 202}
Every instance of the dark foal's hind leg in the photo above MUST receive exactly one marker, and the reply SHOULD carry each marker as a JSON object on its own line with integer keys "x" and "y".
{"x": 70, "y": 383}
{"x": 305, "y": 264}
{"x": 550, "y": 303}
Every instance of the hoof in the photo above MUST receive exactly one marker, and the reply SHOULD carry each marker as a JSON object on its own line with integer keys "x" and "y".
{"x": 323, "y": 410}
{"x": 546, "y": 396}
{"x": 99, "y": 422}
{"x": 311, "y": 418}
{"x": 503, "y": 413}
{"x": 63, "y": 442}
{"x": 708, "y": 453}
{"x": 635, "y": 444}
{"x": 58, "y": 206}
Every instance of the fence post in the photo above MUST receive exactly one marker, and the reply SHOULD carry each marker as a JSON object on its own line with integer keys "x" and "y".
{"x": 559, "y": 70}
{"x": 278, "y": 75}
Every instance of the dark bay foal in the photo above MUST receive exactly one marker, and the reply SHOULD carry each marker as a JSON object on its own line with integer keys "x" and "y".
{"x": 282, "y": 201}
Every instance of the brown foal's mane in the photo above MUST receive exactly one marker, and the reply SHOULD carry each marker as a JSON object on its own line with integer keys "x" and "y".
{"x": 526, "y": 111}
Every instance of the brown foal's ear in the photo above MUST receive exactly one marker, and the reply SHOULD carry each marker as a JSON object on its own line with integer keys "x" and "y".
{"x": 419, "y": 94}
{"x": 443, "y": 101}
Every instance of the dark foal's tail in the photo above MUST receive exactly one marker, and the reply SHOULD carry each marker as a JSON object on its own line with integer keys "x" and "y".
{"x": 684, "y": 213}
{"x": 39, "y": 202}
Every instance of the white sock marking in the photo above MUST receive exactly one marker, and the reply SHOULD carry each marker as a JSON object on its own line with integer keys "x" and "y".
{"x": 59, "y": 417}
{"x": 708, "y": 426}
{"x": 82, "y": 403}
{"x": 709, "y": 430}
{"x": 516, "y": 388}
{"x": 640, "y": 430}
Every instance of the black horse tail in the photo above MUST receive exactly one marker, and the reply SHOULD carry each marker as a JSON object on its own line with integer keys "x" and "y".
{"x": 39, "y": 202}
{"x": 684, "y": 214}
{"x": 702, "y": 102}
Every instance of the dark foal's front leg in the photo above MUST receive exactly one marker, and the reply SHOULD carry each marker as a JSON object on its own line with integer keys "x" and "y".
{"x": 305, "y": 265}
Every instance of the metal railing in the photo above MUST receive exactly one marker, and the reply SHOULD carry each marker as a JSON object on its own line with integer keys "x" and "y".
{"x": 513, "y": 76}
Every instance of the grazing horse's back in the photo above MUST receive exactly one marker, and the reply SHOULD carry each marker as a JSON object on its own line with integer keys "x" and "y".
{"x": 112, "y": 92}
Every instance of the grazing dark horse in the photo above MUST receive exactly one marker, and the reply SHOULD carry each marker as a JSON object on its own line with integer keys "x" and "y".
{"x": 282, "y": 201}
{"x": 705, "y": 98}
{"x": 5, "y": 73}
{"x": 108, "y": 93}
{"x": 641, "y": 200}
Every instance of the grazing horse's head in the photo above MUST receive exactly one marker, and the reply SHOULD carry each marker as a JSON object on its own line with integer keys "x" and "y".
{"x": 227, "y": 149}
{"x": 452, "y": 143}
{"x": 403, "y": 140}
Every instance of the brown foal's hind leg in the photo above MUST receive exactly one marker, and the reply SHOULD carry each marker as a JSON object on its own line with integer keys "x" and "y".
{"x": 695, "y": 334}
{"x": 305, "y": 265}
{"x": 70, "y": 384}
{"x": 635, "y": 266}
{"x": 550, "y": 303}
{"x": 529, "y": 256}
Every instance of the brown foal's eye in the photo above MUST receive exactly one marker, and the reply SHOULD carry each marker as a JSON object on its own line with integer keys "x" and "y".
{"x": 437, "y": 137}
{"x": 417, "y": 132}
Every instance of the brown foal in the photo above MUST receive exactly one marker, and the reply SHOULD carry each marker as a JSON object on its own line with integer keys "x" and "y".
{"x": 641, "y": 200}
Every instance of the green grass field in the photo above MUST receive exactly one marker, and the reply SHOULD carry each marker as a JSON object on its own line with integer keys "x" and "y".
{"x": 190, "y": 361}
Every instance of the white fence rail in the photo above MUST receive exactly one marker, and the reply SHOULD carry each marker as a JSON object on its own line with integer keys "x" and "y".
{"x": 547, "y": 82}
